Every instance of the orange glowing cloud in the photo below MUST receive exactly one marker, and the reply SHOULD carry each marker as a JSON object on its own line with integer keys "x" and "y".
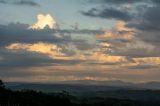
{"x": 114, "y": 33}
{"x": 148, "y": 60}
{"x": 44, "y": 48}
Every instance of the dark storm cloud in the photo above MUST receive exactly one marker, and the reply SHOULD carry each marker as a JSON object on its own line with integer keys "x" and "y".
{"x": 148, "y": 24}
{"x": 108, "y": 13}
{"x": 19, "y": 33}
{"x": 109, "y": 10}
{"x": 20, "y": 2}
{"x": 149, "y": 20}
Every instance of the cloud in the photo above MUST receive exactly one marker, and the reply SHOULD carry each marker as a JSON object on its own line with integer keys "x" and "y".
{"x": 117, "y": 46}
{"x": 142, "y": 67}
{"x": 20, "y": 2}
{"x": 43, "y": 21}
{"x": 26, "y": 2}
{"x": 3, "y": 1}
{"x": 132, "y": 43}
{"x": 116, "y": 2}
{"x": 123, "y": 41}
{"x": 127, "y": 10}
{"x": 108, "y": 13}
{"x": 157, "y": 2}
{"x": 19, "y": 58}
{"x": 22, "y": 59}
{"x": 149, "y": 20}
{"x": 122, "y": 2}
{"x": 43, "y": 45}
{"x": 120, "y": 31}
{"x": 19, "y": 33}
{"x": 51, "y": 50}
{"x": 82, "y": 31}
{"x": 148, "y": 60}
{"x": 147, "y": 25}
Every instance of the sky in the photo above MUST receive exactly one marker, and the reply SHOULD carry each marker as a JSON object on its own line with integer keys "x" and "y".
{"x": 63, "y": 40}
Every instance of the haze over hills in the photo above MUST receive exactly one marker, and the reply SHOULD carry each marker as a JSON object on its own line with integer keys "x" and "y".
{"x": 117, "y": 83}
{"x": 83, "y": 86}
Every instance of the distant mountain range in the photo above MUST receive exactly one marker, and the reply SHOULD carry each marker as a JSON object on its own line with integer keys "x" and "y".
{"x": 83, "y": 86}
{"x": 117, "y": 83}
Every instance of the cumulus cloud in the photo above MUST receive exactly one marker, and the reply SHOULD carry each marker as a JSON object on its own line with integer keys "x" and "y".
{"x": 43, "y": 21}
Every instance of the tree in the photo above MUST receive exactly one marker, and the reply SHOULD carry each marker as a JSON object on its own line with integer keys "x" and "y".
{"x": 2, "y": 84}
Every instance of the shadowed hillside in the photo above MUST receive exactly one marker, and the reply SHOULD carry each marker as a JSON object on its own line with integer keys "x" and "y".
{"x": 99, "y": 98}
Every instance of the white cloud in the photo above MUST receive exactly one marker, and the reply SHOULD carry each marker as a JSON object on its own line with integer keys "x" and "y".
{"x": 43, "y": 21}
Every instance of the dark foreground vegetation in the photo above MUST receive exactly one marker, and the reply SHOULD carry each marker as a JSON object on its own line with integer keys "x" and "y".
{"x": 34, "y": 98}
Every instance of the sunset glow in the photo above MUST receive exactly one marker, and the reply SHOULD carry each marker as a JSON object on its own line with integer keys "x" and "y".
{"x": 61, "y": 40}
